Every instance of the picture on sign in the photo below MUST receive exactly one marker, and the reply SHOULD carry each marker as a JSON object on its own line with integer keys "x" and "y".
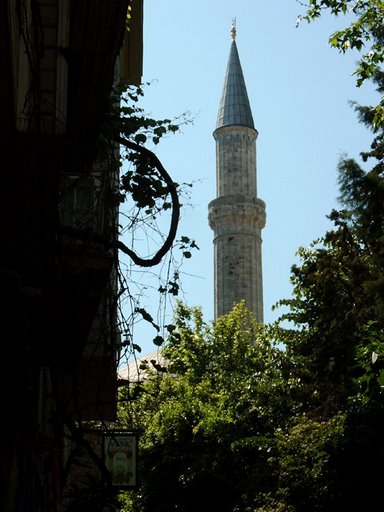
{"x": 120, "y": 452}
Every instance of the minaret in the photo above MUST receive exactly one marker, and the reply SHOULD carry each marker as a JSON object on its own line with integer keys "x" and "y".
{"x": 236, "y": 216}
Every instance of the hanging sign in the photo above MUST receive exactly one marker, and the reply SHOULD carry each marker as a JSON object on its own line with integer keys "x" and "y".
{"x": 120, "y": 457}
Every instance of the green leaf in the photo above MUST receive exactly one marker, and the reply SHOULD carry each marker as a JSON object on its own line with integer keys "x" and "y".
{"x": 140, "y": 138}
{"x": 380, "y": 378}
{"x": 158, "y": 340}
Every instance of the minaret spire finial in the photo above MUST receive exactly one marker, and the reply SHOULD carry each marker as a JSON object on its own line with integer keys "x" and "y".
{"x": 233, "y": 29}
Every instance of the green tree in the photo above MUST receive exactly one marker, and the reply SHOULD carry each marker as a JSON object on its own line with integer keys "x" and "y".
{"x": 338, "y": 335}
{"x": 207, "y": 425}
{"x": 338, "y": 294}
{"x": 364, "y": 33}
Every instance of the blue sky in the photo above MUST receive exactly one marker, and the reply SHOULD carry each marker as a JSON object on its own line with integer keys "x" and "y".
{"x": 299, "y": 89}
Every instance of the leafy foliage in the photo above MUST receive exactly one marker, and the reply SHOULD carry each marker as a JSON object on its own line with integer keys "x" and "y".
{"x": 207, "y": 423}
{"x": 338, "y": 307}
{"x": 148, "y": 199}
{"x": 364, "y": 33}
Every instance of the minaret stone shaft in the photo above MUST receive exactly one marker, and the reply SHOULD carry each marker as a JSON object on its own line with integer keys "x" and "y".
{"x": 236, "y": 216}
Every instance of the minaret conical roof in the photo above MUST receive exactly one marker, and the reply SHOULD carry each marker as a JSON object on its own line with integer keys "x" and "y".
{"x": 234, "y": 105}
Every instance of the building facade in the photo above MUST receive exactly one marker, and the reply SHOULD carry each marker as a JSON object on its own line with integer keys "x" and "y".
{"x": 237, "y": 215}
{"x": 59, "y": 340}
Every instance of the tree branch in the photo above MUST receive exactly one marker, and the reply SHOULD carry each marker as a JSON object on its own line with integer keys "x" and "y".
{"x": 175, "y": 208}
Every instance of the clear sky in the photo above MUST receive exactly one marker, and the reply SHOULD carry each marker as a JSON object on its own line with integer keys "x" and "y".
{"x": 299, "y": 90}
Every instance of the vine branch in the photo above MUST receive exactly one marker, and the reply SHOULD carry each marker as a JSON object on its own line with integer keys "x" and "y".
{"x": 175, "y": 208}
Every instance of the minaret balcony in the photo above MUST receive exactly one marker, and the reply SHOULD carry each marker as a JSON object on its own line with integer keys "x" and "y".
{"x": 242, "y": 214}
